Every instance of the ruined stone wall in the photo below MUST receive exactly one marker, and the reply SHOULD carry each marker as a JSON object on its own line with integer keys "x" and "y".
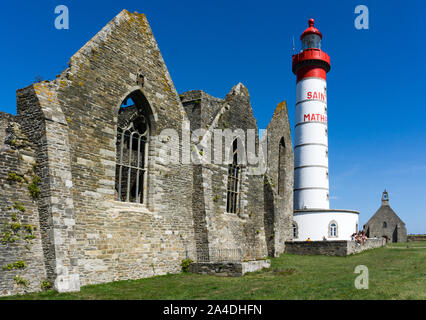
{"x": 94, "y": 237}
{"x": 65, "y": 139}
{"x": 201, "y": 115}
{"x": 116, "y": 240}
{"x": 278, "y": 182}
{"x": 41, "y": 116}
{"x": 22, "y": 264}
{"x": 227, "y": 231}
{"x": 5, "y": 119}
{"x": 247, "y": 228}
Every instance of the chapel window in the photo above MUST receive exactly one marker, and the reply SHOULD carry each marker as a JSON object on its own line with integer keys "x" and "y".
{"x": 234, "y": 181}
{"x": 132, "y": 153}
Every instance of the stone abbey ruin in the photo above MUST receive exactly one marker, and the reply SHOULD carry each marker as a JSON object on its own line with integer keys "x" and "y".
{"x": 94, "y": 182}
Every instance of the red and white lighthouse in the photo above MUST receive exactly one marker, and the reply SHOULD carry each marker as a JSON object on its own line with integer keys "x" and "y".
{"x": 311, "y": 189}
{"x": 313, "y": 217}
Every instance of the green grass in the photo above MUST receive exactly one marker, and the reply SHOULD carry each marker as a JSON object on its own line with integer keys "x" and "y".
{"x": 394, "y": 273}
{"x": 411, "y": 244}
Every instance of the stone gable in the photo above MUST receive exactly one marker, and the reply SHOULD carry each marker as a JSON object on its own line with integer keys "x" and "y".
{"x": 385, "y": 223}
{"x": 67, "y": 134}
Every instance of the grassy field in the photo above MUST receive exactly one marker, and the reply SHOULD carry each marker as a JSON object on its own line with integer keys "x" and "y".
{"x": 395, "y": 272}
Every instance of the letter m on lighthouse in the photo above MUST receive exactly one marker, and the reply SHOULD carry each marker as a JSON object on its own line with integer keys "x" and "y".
{"x": 307, "y": 116}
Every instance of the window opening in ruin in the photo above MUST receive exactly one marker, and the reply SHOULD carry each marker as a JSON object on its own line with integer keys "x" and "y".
{"x": 281, "y": 167}
{"x": 234, "y": 181}
{"x": 132, "y": 152}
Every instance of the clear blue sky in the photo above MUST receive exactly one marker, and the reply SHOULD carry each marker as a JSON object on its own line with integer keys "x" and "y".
{"x": 376, "y": 86}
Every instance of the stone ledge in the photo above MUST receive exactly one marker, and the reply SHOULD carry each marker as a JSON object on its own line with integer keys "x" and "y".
{"x": 331, "y": 247}
{"x": 256, "y": 265}
{"x": 228, "y": 269}
{"x": 416, "y": 237}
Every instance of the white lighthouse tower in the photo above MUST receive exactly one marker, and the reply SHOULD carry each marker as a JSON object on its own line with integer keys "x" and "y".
{"x": 313, "y": 217}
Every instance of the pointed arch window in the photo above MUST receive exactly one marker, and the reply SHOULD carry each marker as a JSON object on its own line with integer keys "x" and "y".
{"x": 281, "y": 168}
{"x": 132, "y": 153}
{"x": 234, "y": 181}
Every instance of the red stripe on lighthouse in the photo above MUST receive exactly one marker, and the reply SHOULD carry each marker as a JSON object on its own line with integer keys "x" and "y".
{"x": 311, "y": 72}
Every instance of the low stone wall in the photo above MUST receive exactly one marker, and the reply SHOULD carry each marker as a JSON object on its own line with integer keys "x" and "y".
{"x": 228, "y": 269}
{"x": 353, "y": 247}
{"x": 331, "y": 248}
{"x": 253, "y": 266}
{"x": 416, "y": 237}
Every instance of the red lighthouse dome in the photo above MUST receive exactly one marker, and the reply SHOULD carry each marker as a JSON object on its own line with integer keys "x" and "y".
{"x": 311, "y": 29}
{"x": 311, "y": 61}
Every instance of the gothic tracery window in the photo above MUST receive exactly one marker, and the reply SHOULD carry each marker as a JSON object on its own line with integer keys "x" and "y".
{"x": 132, "y": 151}
{"x": 234, "y": 181}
